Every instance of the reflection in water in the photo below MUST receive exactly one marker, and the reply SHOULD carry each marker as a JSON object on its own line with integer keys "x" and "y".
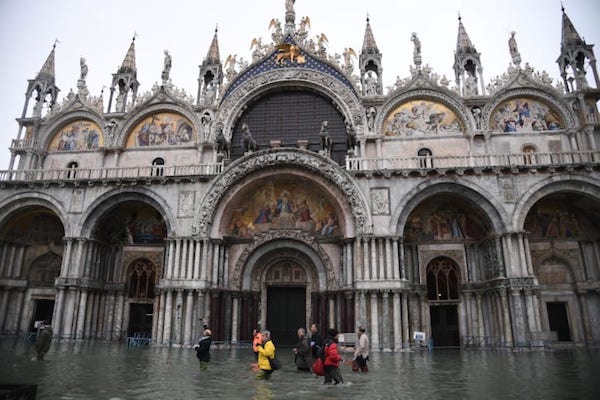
{"x": 110, "y": 371}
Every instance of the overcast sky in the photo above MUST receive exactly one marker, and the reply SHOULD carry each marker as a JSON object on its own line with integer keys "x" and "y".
{"x": 101, "y": 31}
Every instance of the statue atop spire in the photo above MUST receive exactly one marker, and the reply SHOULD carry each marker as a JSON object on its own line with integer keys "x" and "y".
{"x": 417, "y": 50}
{"x": 514, "y": 50}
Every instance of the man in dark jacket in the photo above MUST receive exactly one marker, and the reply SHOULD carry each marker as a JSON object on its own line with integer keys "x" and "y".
{"x": 42, "y": 345}
{"x": 316, "y": 342}
{"x": 203, "y": 348}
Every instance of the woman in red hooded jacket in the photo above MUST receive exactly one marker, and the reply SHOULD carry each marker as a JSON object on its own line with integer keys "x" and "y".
{"x": 332, "y": 358}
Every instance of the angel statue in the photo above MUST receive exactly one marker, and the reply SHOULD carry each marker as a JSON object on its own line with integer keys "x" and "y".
{"x": 348, "y": 67}
{"x": 277, "y": 33}
{"x": 302, "y": 29}
{"x": 230, "y": 63}
{"x": 322, "y": 41}
{"x": 258, "y": 51}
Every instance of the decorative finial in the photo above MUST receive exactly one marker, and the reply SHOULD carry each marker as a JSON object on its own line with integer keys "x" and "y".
{"x": 367, "y": 17}
{"x": 562, "y": 7}
{"x": 135, "y": 34}
{"x": 459, "y": 17}
{"x": 56, "y": 41}
{"x": 216, "y": 28}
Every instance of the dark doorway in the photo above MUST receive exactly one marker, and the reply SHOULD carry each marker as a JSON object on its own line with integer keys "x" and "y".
{"x": 43, "y": 312}
{"x": 444, "y": 325}
{"x": 286, "y": 312}
{"x": 559, "y": 321}
{"x": 140, "y": 320}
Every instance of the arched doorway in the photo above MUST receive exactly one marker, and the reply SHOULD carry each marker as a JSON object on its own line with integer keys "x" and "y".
{"x": 443, "y": 279}
{"x": 141, "y": 280}
{"x": 286, "y": 285}
{"x": 40, "y": 280}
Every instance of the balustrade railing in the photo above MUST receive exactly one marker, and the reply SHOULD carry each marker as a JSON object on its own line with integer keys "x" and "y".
{"x": 149, "y": 172}
{"x": 525, "y": 160}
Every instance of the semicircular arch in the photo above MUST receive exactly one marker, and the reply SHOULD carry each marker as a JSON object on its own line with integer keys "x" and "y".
{"x": 18, "y": 202}
{"x": 579, "y": 184}
{"x": 471, "y": 193}
{"x": 341, "y": 95}
{"x": 241, "y": 276}
{"x": 301, "y": 160}
{"x": 110, "y": 199}
{"x": 48, "y": 134}
{"x": 546, "y": 98}
{"x": 448, "y": 100}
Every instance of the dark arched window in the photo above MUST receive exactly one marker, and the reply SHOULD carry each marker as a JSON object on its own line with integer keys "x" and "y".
{"x": 442, "y": 280}
{"x": 72, "y": 167}
{"x": 425, "y": 158}
{"x": 157, "y": 167}
{"x": 141, "y": 279}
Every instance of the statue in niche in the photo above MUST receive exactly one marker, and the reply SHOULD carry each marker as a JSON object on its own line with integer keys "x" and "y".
{"x": 371, "y": 113}
{"x": 514, "y": 50}
{"x": 248, "y": 142}
{"x": 470, "y": 85}
{"x": 371, "y": 84}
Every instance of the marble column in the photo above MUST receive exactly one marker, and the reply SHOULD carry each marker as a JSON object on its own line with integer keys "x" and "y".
{"x": 374, "y": 322}
{"x": 156, "y": 314}
{"x": 366, "y": 260}
{"x": 170, "y": 259}
{"x": 198, "y": 250}
{"x": 361, "y": 315}
{"x": 160, "y": 323}
{"x": 395, "y": 260}
{"x": 506, "y": 319}
{"x": 82, "y": 314}
{"x": 118, "y": 321}
{"x": 68, "y": 312}
{"x": 331, "y": 310}
{"x": 405, "y": 325}
{"x": 358, "y": 260}
{"x": 385, "y": 320}
{"x": 235, "y": 317}
{"x": 168, "y": 316}
{"x": 178, "y": 315}
{"x": 585, "y": 316}
{"x": 397, "y": 319}
{"x": 480, "y": 330}
{"x": 189, "y": 305}
{"x": 177, "y": 266}
{"x": 519, "y": 317}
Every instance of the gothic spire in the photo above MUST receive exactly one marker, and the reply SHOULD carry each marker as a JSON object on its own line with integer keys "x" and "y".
{"x": 371, "y": 70}
{"x": 213, "y": 56}
{"x": 570, "y": 37}
{"x": 467, "y": 64}
{"x": 369, "y": 45}
{"x": 463, "y": 42}
{"x": 128, "y": 64}
{"x": 47, "y": 71}
{"x": 575, "y": 53}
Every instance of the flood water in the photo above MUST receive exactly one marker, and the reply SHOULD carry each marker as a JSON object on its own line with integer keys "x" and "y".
{"x": 111, "y": 371}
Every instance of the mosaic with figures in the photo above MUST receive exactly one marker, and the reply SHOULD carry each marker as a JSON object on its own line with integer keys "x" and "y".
{"x": 282, "y": 203}
{"x": 131, "y": 223}
{"x": 421, "y": 117}
{"x": 78, "y": 135}
{"x": 557, "y": 219}
{"x": 439, "y": 221}
{"x": 524, "y": 115}
{"x": 162, "y": 129}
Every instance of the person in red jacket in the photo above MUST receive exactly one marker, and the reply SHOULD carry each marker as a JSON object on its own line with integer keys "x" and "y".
{"x": 332, "y": 358}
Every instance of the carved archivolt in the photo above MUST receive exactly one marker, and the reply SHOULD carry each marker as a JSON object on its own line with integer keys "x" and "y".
{"x": 297, "y": 158}
{"x": 341, "y": 94}
{"x": 307, "y": 244}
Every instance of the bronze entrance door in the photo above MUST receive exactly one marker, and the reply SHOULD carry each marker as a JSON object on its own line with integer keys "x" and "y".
{"x": 559, "y": 321}
{"x": 286, "y": 312}
{"x": 444, "y": 325}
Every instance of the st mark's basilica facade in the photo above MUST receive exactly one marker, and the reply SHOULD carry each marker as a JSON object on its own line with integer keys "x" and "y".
{"x": 296, "y": 189}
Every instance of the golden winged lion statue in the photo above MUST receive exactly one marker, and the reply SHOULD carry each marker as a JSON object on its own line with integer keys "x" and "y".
{"x": 288, "y": 51}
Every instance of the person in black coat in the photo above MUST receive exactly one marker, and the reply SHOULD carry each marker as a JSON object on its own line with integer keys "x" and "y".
{"x": 203, "y": 348}
{"x": 302, "y": 351}
{"x": 316, "y": 342}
